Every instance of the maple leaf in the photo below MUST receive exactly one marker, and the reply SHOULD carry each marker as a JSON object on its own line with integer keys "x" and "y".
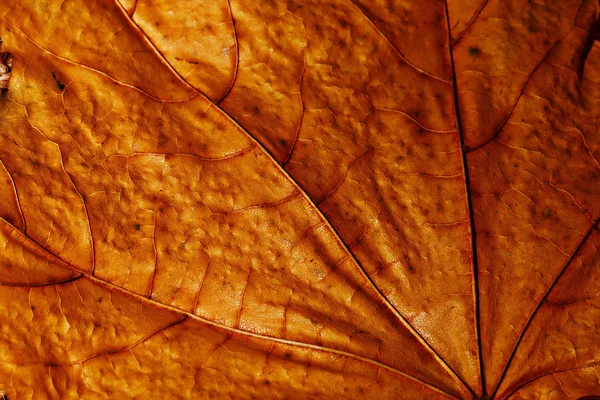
{"x": 332, "y": 199}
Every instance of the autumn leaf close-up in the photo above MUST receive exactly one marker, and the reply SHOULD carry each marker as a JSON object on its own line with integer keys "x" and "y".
{"x": 321, "y": 199}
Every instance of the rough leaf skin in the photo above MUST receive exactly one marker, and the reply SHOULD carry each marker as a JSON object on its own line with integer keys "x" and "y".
{"x": 300, "y": 199}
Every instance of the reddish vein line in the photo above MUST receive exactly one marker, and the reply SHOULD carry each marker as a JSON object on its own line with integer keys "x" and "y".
{"x": 70, "y": 178}
{"x": 541, "y": 303}
{"x": 289, "y": 156}
{"x": 475, "y": 269}
{"x": 190, "y": 155}
{"x": 153, "y": 46}
{"x": 237, "y": 56}
{"x": 527, "y": 383}
{"x": 104, "y": 74}
{"x": 495, "y": 135}
{"x": 132, "y": 11}
{"x": 469, "y": 24}
{"x": 133, "y": 345}
{"x": 16, "y": 195}
{"x": 402, "y": 57}
{"x": 106, "y": 353}
{"x": 30, "y": 285}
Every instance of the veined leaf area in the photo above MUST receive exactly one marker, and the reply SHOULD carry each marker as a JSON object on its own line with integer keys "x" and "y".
{"x": 339, "y": 199}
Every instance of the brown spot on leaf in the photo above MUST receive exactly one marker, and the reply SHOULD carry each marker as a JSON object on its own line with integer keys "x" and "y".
{"x": 474, "y": 51}
{"x": 59, "y": 84}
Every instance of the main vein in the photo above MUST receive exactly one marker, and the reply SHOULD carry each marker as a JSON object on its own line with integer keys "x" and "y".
{"x": 475, "y": 267}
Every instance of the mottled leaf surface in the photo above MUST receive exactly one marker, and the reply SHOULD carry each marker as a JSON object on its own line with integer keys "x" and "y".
{"x": 329, "y": 199}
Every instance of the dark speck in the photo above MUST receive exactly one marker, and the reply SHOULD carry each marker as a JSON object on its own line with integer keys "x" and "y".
{"x": 288, "y": 355}
{"x": 474, "y": 51}
{"x": 137, "y": 227}
{"x": 59, "y": 84}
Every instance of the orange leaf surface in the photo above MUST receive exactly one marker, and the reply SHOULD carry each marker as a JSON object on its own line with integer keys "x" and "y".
{"x": 335, "y": 199}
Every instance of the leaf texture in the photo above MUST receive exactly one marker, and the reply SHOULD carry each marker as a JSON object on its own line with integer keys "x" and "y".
{"x": 327, "y": 199}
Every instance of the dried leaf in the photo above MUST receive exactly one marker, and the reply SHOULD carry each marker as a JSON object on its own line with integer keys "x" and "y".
{"x": 332, "y": 199}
